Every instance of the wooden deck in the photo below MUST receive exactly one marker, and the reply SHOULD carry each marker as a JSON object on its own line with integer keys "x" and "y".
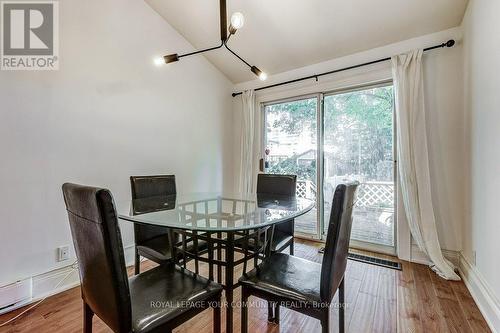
{"x": 378, "y": 300}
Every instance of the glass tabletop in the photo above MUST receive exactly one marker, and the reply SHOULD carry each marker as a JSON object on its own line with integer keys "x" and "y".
{"x": 213, "y": 211}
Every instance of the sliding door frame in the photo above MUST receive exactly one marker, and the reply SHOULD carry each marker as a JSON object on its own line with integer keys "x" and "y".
{"x": 357, "y": 244}
{"x": 320, "y": 160}
{"x": 319, "y": 169}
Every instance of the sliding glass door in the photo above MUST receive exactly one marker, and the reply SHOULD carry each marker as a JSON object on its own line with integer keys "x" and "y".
{"x": 290, "y": 147}
{"x": 359, "y": 145}
{"x": 354, "y": 141}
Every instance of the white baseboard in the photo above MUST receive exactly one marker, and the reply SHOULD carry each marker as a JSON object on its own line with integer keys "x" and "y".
{"x": 48, "y": 284}
{"x": 482, "y": 294}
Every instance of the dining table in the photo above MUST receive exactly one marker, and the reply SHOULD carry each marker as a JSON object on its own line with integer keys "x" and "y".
{"x": 226, "y": 223}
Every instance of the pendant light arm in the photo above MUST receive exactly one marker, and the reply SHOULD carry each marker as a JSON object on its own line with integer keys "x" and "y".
{"x": 237, "y": 56}
{"x": 201, "y": 51}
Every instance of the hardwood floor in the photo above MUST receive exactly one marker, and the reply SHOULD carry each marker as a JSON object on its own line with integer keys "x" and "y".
{"x": 378, "y": 300}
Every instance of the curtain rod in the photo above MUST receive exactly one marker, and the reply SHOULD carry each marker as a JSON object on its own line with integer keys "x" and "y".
{"x": 449, "y": 43}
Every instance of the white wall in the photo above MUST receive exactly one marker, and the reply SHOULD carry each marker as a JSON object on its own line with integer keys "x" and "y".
{"x": 482, "y": 113}
{"x": 443, "y": 88}
{"x": 108, "y": 113}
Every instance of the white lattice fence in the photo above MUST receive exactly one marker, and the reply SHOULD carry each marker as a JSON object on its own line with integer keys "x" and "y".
{"x": 376, "y": 194}
{"x": 305, "y": 189}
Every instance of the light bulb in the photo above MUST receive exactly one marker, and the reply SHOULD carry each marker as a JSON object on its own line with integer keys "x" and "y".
{"x": 237, "y": 20}
{"x": 262, "y": 75}
{"x": 158, "y": 61}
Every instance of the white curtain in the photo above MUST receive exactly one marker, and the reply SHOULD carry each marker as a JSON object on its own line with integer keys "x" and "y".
{"x": 413, "y": 159}
{"x": 247, "y": 146}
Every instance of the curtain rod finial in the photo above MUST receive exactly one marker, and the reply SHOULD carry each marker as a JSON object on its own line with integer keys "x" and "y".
{"x": 450, "y": 43}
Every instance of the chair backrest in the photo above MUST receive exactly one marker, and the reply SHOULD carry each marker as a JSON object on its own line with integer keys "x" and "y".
{"x": 269, "y": 184}
{"x": 146, "y": 187}
{"x": 152, "y": 186}
{"x": 337, "y": 240}
{"x": 276, "y": 184}
{"x": 99, "y": 250}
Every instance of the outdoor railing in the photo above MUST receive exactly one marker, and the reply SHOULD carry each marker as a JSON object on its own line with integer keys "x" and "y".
{"x": 306, "y": 189}
{"x": 375, "y": 195}
{"x": 370, "y": 194}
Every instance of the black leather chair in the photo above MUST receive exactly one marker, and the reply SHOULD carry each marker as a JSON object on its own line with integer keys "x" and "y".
{"x": 302, "y": 285}
{"x": 155, "y": 301}
{"x": 150, "y": 241}
{"x": 269, "y": 184}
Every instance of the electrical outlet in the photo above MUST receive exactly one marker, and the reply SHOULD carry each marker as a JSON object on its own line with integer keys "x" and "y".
{"x": 63, "y": 253}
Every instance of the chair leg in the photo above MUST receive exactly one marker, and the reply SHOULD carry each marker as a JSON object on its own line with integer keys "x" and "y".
{"x": 217, "y": 315}
{"x": 341, "y": 307}
{"x": 276, "y": 313}
{"x": 244, "y": 311}
{"x": 325, "y": 324}
{"x": 137, "y": 262}
{"x": 87, "y": 318}
{"x": 270, "y": 311}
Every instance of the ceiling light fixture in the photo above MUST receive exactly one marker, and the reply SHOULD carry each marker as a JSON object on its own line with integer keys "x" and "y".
{"x": 237, "y": 22}
{"x": 262, "y": 76}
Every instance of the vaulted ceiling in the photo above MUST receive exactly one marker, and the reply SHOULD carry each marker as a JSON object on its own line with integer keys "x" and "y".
{"x": 280, "y": 35}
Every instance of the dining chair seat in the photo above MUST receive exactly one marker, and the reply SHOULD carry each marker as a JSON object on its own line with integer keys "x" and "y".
{"x": 164, "y": 293}
{"x": 152, "y": 242}
{"x": 157, "y": 300}
{"x": 304, "y": 286}
{"x": 159, "y": 248}
{"x": 288, "y": 277}
{"x": 272, "y": 184}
